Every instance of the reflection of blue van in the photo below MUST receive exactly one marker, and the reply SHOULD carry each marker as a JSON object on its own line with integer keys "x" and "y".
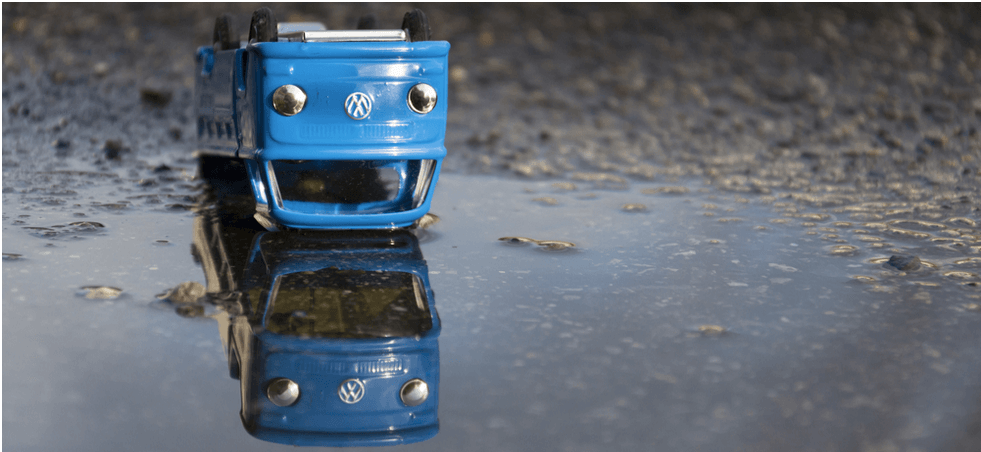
{"x": 333, "y": 335}
{"x": 339, "y": 129}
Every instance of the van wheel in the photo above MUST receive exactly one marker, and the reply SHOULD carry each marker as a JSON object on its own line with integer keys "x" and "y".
{"x": 234, "y": 369}
{"x": 417, "y": 25}
{"x": 263, "y": 27}
{"x": 223, "y": 33}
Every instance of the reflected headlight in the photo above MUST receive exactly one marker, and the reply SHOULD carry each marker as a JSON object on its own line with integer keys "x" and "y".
{"x": 414, "y": 392}
{"x": 283, "y": 391}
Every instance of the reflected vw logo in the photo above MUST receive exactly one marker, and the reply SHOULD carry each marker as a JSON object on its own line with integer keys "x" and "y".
{"x": 358, "y": 105}
{"x": 351, "y": 391}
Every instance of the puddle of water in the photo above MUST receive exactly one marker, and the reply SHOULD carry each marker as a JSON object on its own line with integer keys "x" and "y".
{"x": 646, "y": 326}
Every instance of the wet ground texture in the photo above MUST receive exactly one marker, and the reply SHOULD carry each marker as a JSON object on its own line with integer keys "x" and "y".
{"x": 661, "y": 227}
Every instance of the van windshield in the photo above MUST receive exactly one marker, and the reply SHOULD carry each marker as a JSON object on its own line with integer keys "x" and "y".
{"x": 349, "y": 304}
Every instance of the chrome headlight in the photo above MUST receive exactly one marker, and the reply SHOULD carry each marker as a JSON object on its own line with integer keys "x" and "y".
{"x": 289, "y": 100}
{"x": 422, "y": 98}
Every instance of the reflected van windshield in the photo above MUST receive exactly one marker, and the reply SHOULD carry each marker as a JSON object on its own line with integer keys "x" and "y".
{"x": 349, "y": 304}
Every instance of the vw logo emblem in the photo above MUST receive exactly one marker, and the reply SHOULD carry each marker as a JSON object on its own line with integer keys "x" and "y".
{"x": 358, "y": 106}
{"x": 351, "y": 391}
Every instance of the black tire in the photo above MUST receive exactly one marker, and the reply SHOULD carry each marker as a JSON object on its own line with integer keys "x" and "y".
{"x": 366, "y": 22}
{"x": 263, "y": 26}
{"x": 223, "y": 33}
{"x": 234, "y": 368}
{"x": 416, "y": 24}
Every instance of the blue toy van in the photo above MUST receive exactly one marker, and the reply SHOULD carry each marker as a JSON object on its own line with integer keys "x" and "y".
{"x": 333, "y": 335}
{"x": 339, "y": 129}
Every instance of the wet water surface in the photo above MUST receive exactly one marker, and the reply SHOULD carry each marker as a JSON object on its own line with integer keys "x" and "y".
{"x": 703, "y": 319}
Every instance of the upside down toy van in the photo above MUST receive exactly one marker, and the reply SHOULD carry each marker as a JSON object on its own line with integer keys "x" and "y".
{"x": 339, "y": 129}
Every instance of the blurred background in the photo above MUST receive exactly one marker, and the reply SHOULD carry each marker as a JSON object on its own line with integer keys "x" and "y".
{"x": 884, "y": 97}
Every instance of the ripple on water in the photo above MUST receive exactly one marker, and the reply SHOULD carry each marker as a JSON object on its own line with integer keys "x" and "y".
{"x": 546, "y": 200}
{"x": 114, "y": 207}
{"x": 517, "y": 240}
{"x": 869, "y": 238}
{"x": 926, "y": 284}
{"x": 633, "y": 208}
{"x": 907, "y": 233}
{"x": 918, "y": 225}
{"x": 957, "y": 274}
{"x": 962, "y": 221}
{"x": 546, "y": 245}
{"x": 665, "y": 191}
{"x": 876, "y": 226}
{"x": 62, "y": 230}
{"x": 843, "y": 250}
{"x": 865, "y": 216}
{"x": 814, "y": 216}
{"x": 971, "y": 262}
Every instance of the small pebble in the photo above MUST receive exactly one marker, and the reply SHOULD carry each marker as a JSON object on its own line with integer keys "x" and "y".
{"x": 904, "y": 263}
{"x": 101, "y": 292}
{"x": 712, "y": 330}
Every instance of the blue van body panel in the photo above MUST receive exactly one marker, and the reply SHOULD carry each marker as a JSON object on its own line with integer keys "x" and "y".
{"x": 236, "y": 119}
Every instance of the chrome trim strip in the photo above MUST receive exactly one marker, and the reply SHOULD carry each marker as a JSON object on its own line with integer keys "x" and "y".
{"x": 345, "y": 36}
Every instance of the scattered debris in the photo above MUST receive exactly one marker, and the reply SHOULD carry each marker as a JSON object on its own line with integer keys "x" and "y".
{"x": 517, "y": 240}
{"x": 428, "y": 220}
{"x": 156, "y": 98}
{"x": 712, "y": 330}
{"x": 546, "y": 200}
{"x": 190, "y": 310}
{"x": 904, "y": 263}
{"x": 548, "y": 245}
{"x": 112, "y": 149}
{"x": 185, "y": 292}
{"x": 101, "y": 292}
